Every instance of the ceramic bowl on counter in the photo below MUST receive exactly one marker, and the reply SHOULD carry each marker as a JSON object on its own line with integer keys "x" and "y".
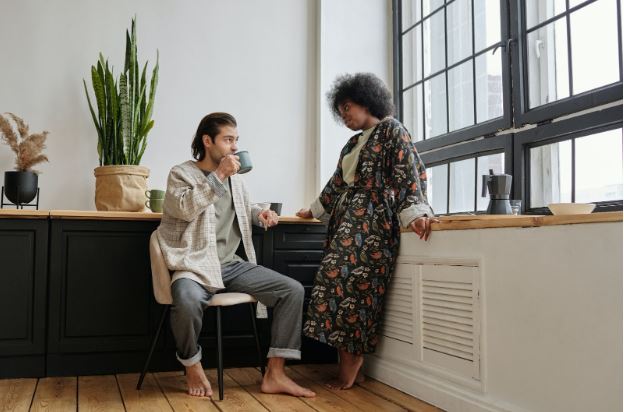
{"x": 571, "y": 208}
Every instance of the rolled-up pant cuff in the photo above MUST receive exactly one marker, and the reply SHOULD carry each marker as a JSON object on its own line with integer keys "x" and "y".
{"x": 193, "y": 359}
{"x": 284, "y": 353}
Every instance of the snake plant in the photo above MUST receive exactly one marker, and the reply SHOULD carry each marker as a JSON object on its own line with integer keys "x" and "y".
{"x": 124, "y": 106}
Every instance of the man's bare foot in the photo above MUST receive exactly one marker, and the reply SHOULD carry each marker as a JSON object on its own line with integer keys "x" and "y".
{"x": 275, "y": 380}
{"x": 349, "y": 371}
{"x": 197, "y": 381}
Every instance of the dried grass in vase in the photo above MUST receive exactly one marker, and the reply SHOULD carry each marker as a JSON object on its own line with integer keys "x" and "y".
{"x": 27, "y": 147}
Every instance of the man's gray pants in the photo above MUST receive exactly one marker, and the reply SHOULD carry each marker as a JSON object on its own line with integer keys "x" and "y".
{"x": 283, "y": 294}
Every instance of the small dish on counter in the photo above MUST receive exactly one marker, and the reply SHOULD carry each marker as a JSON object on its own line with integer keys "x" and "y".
{"x": 571, "y": 208}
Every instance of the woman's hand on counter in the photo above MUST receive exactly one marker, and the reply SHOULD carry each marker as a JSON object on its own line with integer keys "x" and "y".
{"x": 422, "y": 226}
{"x": 305, "y": 213}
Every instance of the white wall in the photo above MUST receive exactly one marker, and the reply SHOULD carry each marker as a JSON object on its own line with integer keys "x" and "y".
{"x": 256, "y": 60}
{"x": 268, "y": 63}
{"x": 355, "y": 36}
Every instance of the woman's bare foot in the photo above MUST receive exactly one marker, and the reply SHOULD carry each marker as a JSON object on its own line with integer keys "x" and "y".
{"x": 348, "y": 372}
{"x": 197, "y": 381}
{"x": 276, "y": 381}
{"x": 360, "y": 377}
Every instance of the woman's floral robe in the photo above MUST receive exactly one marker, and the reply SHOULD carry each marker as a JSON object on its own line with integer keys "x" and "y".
{"x": 362, "y": 245}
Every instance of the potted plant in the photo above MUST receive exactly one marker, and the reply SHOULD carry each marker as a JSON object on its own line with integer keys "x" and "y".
{"x": 123, "y": 120}
{"x": 20, "y": 186}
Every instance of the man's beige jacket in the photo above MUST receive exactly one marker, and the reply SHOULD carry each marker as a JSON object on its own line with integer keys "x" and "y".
{"x": 187, "y": 232}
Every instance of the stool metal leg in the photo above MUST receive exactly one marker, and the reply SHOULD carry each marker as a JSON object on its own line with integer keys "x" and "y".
{"x": 255, "y": 331}
{"x": 219, "y": 354}
{"x": 154, "y": 341}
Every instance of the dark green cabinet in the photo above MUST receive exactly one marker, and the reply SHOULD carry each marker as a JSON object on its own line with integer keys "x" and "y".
{"x": 23, "y": 277}
{"x": 76, "y": 297}
{"x": 101, "y": 306}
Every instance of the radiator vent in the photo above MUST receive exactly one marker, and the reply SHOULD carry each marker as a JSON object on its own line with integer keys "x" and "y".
{"x": 448, "y": 325}
{"x": 450, "y": 318}
{"x": 399, "y": 317}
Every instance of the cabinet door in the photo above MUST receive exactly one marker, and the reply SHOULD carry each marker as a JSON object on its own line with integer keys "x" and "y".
{"x": 101, "y": 300}
{"x": 23, "y": 282}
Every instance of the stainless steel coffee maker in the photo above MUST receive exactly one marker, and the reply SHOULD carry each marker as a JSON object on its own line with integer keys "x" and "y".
{"x": 499, "y": 187}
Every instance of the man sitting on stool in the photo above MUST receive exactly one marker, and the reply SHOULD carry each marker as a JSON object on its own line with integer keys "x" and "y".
{"x": 206, "y": 214}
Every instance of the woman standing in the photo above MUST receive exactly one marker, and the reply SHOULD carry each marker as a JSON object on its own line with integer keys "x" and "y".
{"x": 378, "y": 186}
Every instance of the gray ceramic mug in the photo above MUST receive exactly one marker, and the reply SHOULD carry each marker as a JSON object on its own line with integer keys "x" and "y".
{"x": 245, "y": 161}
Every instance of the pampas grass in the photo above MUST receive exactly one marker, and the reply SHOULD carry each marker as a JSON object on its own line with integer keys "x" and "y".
{"x": 27, "y": 147}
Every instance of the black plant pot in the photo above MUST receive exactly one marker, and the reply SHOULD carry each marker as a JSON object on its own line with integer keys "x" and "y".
{"x": 20, "y": 187}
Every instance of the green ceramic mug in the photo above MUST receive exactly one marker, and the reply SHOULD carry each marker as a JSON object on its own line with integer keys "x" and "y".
{"x": 245, "y": 161}
{"x": 155, "y": 194}
{"x": 155, "y": 205}
{"x": 155, "y": 199}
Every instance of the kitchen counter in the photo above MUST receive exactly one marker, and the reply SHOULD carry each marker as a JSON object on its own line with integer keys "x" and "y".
{"x": 463, "y": 222}
{"x": 454, "y": 222}
{"x": 24, "y": 214}
{"x": 76, "y": 293}
{"x": 97, "y": 215}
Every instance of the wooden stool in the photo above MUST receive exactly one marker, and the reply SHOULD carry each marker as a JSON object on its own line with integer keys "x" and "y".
{"x": 161, "y": 283}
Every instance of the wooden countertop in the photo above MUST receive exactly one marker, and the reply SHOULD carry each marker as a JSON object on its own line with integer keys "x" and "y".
{"x": 95, "y": 215}
{"x": 463, "y": 222}
{"x": 24, "y": 214}
{"x": 455, "y": 222}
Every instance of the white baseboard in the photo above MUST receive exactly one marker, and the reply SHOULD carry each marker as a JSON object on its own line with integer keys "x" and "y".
{"x": 431, "y": 389}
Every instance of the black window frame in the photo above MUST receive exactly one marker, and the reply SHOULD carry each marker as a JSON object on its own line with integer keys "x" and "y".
{"x": 547, "y": 121}
{"x": 568, "y": 129}
{"x": 568, "y": 105}
{"x": 472, "y": 150}
{"x": 489, "y": 127}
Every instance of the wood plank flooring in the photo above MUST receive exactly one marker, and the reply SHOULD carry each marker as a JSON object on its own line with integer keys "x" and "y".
{"x": 165, "y": 391}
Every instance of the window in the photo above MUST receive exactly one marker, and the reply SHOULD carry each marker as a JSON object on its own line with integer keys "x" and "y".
{"x": 569, "y": 49}
{"x": 455, "y": 187}
{"x": 522, "y": 72}
{"x": 451, "y": 73}
{"x": 568, "y": 163}
{"x": 454, "y": 175}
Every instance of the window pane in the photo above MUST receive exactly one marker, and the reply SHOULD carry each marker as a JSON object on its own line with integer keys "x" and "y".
{"x": 551, "y": 174}
{"x": 489, "y": 86}
{"x": 462, "y": 193}
{"x": 487, "y": 25}
{"x": 461, "y": 100}
{"x": 598, "y": 160}
{"x": 594, "y": 37}
{"x": 435, "y": 106}
{"x": 547, "y": 52}
{"x": 413, "y": 112}
{"x": 459, "y": 30}
{"x": 431, "y": 5}
{"x": 496, "y": 162}
{"x": 410, "y": 12}
{"x": 437, "y": 185}
{"x": 412, "y": 56}
{"x": 434, "y": 43}
{"x": 538, "y": 11}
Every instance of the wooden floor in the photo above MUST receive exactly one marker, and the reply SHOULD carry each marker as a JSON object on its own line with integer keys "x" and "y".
{"x": 165, "y": 391}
